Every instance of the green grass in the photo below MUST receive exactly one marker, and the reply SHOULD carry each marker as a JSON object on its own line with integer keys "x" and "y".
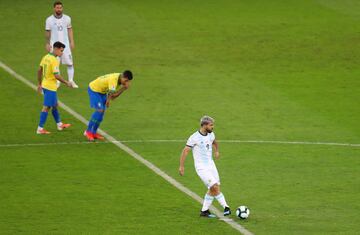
{"x": 84, "y": 188}
{"x": 265, "y": 70}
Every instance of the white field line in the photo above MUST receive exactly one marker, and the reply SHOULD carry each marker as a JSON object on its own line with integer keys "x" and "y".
{"x": 251, "y": 142}
{"x": 183, "y": 141}
{"x": 132, "y": 153}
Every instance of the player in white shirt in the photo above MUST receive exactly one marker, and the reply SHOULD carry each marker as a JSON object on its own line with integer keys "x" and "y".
{"x": 202, "y": 143}
{"x": 58, "y": 28}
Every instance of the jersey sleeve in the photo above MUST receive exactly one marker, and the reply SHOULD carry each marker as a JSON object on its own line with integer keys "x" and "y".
{"x": 55, "y": 66}
{"x": 68, "y": 24}
{"x": 47, "y": 24}
{"x": 191, "y": 142}
{"x": 212, "y": 137}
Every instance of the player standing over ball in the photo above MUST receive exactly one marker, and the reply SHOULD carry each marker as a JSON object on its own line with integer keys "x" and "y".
{"x": 101, "y": 91}
{"x": 202, "y": 143}
{"x": 48, "y": 74}
{"x": 58, "y": 28}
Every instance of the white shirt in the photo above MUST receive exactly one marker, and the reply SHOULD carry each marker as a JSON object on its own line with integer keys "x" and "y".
{"x": 59, "y": 29}
{"x": 202, "y": 149}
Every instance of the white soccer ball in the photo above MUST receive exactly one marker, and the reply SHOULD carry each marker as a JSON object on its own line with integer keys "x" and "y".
{"x": 242, "y": 212}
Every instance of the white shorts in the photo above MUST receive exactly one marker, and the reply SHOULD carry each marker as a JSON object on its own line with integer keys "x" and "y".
{"x": 209, "y": 176}
{"x": 66, "y": 58}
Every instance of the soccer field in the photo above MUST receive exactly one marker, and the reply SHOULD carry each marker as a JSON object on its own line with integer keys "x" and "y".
{"x": 280, "y": 77}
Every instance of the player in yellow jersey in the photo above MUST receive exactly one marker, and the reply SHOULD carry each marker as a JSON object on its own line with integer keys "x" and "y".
{"x": 101, "y": 91}
{"x": 48, "y": 74}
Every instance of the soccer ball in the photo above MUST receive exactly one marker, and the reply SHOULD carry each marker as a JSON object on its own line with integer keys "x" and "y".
{"x": 242, "y": 212}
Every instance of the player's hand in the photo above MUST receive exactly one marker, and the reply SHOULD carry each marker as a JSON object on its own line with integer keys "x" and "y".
{"x": 217, "y": 155}
{"x": 68, "y": 84}
{"x": 181, "y": 170}
{"x": 39, "y": 89}
{"x": 48, "y": 47}
{"x": 107, "y": 103}
{"x": 72, "y": 46}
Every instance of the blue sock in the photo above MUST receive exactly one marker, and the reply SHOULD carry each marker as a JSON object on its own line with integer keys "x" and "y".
{"x": 56, "y": 115}
{"x": 98, "y": 121}
{"x": 43, "y": 116}
{"x": 93, "y": 120}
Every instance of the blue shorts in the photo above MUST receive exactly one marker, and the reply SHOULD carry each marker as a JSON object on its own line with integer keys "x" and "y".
{"x": 50, "y": 98}
{"x": 97, "y": 100}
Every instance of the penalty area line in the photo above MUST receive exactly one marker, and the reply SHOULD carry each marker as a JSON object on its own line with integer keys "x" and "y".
{"x": 135, "y": 155}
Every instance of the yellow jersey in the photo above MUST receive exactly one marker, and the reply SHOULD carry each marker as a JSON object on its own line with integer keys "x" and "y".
{"x": 106, "y": 83}
{"x": 50, "y": 67}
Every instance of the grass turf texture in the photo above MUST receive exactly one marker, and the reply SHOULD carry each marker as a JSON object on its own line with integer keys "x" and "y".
{"x": 87, "y": 188}
{"x": 284, "y": 70}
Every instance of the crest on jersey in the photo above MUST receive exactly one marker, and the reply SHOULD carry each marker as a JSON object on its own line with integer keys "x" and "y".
{"x": 59, "y": 28}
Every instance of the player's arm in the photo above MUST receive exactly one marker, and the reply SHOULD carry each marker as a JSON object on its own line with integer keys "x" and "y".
{"x": 61, "y": 79}
{"x": 70, "y": 34}
{"x": 39, "y": 77}
{"x": 71, "y": 38}
{"x": 183, "y": 156}
{"x": 109, "y": 97}
{"x": 48, "y": 35}
{"x": 114, "y": 94}
{"x": 56, "y": 71}
{"x": 216, "y": 149}
{"x": 47, "y": 40}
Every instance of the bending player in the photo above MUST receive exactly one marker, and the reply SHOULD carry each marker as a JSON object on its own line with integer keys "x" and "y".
{"x": 101, "y": 91}
{"x": 202, "y": 143}
{"x": 48, "y": 75}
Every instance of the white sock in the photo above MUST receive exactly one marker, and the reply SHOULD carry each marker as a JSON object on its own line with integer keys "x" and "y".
{"x": 221, "y": 199}
{"x": 40, "y": 128}
{"x": 59, "y": 123}
{"x": 207, "y": 202}
{"x": 70, "y": 71}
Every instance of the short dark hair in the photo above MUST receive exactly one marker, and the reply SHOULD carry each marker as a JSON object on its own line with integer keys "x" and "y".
{"x": 206, "y": 120}
{"x": 59, "y": 45}
{"x": 57, "y": 3}
{"x": 128, "y": 74}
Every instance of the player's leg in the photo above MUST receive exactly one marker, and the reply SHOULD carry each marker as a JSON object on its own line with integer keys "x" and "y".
{"x": 66, "y": 59}
{"x": 216, "y": 192}
{"x": 49, "y": 101}
{"x": 71, "y": 71}
{"x": 94, "y": 100}
{"x": 97, "y": 101}
{"x": 55, "y": 112}
{"x": 208, "y": 199}
{"x": 99, "y": 115}
{"x": 43, "y": 116}
{"x": 208, "y": 180}
{"x": 219, "y": 196}
{"x": 94, "y": 123}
